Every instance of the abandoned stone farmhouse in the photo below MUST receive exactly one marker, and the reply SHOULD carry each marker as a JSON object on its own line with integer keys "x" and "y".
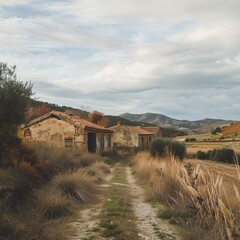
{"x": 64, "y": 130}
{"x": 134, "y": 137}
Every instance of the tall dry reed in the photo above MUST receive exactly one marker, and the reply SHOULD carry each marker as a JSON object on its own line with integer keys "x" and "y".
{"x": 174, "y": 184}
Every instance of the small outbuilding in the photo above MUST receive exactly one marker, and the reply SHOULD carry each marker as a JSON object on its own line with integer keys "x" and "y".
{"x": 155, "y": 130}
{"x": 65, "y": 130}
{"x": 131, "y": 137}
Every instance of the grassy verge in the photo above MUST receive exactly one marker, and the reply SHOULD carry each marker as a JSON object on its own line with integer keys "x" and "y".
{"x": 117, "y": 217}
{"x": 196, "y": 201}
{"x": 42, "y": 190}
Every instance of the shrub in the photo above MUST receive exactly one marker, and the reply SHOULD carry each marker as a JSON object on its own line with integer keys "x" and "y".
{"x": 163, "y": 146}
{"x": 212, "y": 153}
{"x": 190, "y": 140}
{"x": 76, "y": 185}
{"x": 22, "y": 190}
{"x": 7, "y": 227}
{"x": 55, "y": 205}
{"x": 59, "y": 160}
{"x": 225, "y": 155}
{"x": 216, "y": 130}
{"x": 201, "y": 155}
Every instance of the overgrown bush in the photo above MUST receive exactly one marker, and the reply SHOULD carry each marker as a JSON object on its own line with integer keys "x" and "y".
{"x": 211, "y": 153}
{"x": 57, "y": 160}
{"x": 7, "y": 227}
{"x": 76, "y": 185}
{"x": 163, "y": 146}
{"x": 14, "y": 99}
{"x": 190, "y": 140}
{"x": 201, "y": 155}
{"x": 225, "y": 155}
{"x": 54, "y": 205}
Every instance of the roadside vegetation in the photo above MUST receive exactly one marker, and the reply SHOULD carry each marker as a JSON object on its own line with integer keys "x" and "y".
{"x": 43, "y": 188}
{"x": 225, "y": 155}
{"x": 191, "y": 197}
{"x": 161, "y": 147}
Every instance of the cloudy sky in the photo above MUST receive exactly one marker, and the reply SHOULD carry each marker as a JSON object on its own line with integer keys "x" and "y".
{"x": 180, "y": 58}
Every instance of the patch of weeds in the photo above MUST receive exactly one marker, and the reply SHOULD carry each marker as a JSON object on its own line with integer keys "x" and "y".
{"x": 161, "y": 235}
{"x": 194, "y": 232}
{"x": 90, "y": 238}
{"x": 118, "y": 177}
{"x": 96, "y": 229}
{"x": 158, "y": 231}
{"x": 174, "y": 216}
{"x": 7, "y": 227}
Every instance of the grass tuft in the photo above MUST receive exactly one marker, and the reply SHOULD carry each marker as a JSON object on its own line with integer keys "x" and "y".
{"x": 77, "y": 185}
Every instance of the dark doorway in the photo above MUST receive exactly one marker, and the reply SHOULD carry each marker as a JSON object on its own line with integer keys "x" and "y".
{"x": 92, "y": 144}
{"x": 102, "y": 143}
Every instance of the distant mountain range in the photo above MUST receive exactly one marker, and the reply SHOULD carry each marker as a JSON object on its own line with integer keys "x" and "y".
{"x": 164, "y": 121}
{"x": 147, "y": 119}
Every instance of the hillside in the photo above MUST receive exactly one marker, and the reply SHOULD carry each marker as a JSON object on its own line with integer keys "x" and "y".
{"x": 162, "y": 120}
{"x": 38, "y": 108}
{"x": 113, "y": 120}
{"x": 231, "y": 130}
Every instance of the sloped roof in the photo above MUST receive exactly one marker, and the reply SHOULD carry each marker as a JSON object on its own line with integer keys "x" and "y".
{"x": 153, "y": 130}
{"x": 75, "y": 120}
{"x": 135, "y": 129}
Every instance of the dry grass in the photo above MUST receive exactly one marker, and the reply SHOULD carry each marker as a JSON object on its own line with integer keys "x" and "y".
{"x": 175, "y": 185}
{"x": 42, "y": 196}
{"x": 77, "y": 185}
{"x": 232, "y": 129}
{"x": 98, "y": 171}
{"x": 54, "y": 205}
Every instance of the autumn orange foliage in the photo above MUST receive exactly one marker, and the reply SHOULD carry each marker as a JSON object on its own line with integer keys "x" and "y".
{"x": 35, "y": 112}
{"x": 98, "y": 118}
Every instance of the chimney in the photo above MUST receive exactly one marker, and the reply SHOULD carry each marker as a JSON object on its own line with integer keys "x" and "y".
{"x": 119, "y": 123}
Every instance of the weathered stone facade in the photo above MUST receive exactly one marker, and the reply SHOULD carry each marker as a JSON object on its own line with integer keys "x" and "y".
{"x": 128, "y": 137}
{"x": 62, "y": 130}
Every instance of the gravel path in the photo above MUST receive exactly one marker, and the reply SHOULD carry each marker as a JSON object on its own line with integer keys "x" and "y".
{"x": 87, "y": 225}
{"x": 150, "y": 227}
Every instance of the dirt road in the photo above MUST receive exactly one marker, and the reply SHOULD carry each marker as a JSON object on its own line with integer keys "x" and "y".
{"x": 148, "y": 225}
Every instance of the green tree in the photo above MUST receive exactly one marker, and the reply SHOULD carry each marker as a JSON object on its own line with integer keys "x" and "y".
{"x": 14, "y": 98}
{"x": 161, "y": 147}
{"x": 216, "y": 130}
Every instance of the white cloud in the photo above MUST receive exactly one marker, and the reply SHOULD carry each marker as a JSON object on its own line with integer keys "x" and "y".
{"x": 13, "y": 2}
{"x": 179, "y": 57}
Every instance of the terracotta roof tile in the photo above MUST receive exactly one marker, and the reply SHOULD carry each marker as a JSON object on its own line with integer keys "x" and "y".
{"x": 135, "y": 129}
{"x": 153, "y": 130}
{"x": 72, "y": 119}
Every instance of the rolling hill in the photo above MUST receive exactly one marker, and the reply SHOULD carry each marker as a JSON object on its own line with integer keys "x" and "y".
{"x": 231, "y": 130}
{"x": 164, "y": 121}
